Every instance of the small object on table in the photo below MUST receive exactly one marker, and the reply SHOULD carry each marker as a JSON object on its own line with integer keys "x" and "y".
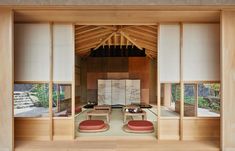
{"x": 142, "y": 114}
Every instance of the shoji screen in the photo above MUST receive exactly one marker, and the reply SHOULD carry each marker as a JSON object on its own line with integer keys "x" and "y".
{"x": 169, "y": 53}
{"x": 201, "y": 52}
{"x": 63, "y": 52}
{"x": 32, "y": 49}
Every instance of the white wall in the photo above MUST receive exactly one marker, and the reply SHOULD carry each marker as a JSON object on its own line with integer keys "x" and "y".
{"x": 201, "y": 52}
{"x": 169, "y": 53}
{"x": 63, "y": 52}
{"x": 32, "y": 49}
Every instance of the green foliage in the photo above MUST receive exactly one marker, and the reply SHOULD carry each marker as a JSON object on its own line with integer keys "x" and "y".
{"x": 215, "y": 87}
{"x": 41, "y": 92}
{"x": 175, "y": 92}
{"x": 204, "y": 103}
{"x": 189, "y": 100}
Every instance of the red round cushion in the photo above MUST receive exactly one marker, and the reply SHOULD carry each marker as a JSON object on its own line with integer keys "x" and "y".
{"x": 91, "y": 125}
{"x": 140, "y": 125}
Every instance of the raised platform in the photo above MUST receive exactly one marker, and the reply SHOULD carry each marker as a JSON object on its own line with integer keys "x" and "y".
{"x": 116, "y": 145}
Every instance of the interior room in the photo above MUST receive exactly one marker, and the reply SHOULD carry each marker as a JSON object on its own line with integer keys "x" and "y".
{"x": 117, "y": 67}
{"x": 78, "y": 81}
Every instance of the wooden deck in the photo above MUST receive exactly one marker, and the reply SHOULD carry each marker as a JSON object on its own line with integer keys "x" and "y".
{"x": 117, "y": 145}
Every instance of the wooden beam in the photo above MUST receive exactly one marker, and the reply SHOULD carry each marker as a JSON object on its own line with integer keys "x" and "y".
{"x": 102, "y": 42}
{"x": 121, "y": 38}
{"x": 88, "y": 30}
{"x": 132, "y": 41}
{"x": 6, "y": 80}
{"x": 132, "y": 31}
{"x": 112, "y": 28}
{"x": 115, "y": 17}
{"x": 115, "y": 40}
{"x": 93, "y": 35}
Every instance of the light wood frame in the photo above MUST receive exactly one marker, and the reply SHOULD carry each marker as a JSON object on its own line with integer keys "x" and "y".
{"x": 149, "y": 23}
{"x": 182, "y": 118}
{"x": 53, "y": 120}
{"x": 6, "y": 79}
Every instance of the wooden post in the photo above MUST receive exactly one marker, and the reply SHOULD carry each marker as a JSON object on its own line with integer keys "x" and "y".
{"x": 51, "y": 85}
{"x": 73, "y": 87}
{"x": 196, "y": 99}
{"x": 6, "y": 80}
{"x": 158, "y": 92}
{"x": 227, "y": 80}
{"x": 181, "y": 84}
{"x": 167, "y": 95}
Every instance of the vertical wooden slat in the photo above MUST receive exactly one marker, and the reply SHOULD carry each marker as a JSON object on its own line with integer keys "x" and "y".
{"x": 6, "y": 80}
{"x": 196, "y": 99}
{"x": 51, "y": 84}
{"x": 181, "y": 83}
{"x": 73, "y": 87}
{"x": 158, "y": 89}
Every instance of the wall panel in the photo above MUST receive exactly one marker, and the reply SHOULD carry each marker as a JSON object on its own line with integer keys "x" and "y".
{"x": 32, "y": 129}
{"x": 201, "y": 52}
{"x": 169, "y": 53}
{"x": 63, "y": 52}
{"x": 62, "y": 129}
{"x": 169, "y": 129}
{"x": 32, "y": 50}
{"x": 201, "y": 129}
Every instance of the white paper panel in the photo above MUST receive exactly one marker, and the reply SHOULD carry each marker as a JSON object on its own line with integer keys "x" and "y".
{"x": 169, "y": 53}
{"x": 63, "y": 54}
{"x": 104, "y": 92}
{"x": 118, "y": 92}
{"x": 32, "y": 49}
{"x": 132, "y": 91}
{"x": 201, "y": 52}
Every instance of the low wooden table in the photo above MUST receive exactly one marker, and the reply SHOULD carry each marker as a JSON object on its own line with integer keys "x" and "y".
{"x": 103, "y": 107}
{"x": 142, "y": 114}
{"x": 105, "y": 113}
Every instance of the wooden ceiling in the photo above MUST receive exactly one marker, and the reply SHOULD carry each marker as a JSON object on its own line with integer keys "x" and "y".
{"x": 89, "y": 37}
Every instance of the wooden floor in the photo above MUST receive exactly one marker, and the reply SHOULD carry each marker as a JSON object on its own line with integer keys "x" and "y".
{"x": 116, "y": 145}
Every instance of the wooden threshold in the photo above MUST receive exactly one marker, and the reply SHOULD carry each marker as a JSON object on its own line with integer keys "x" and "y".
{"x": 117, "y": 145}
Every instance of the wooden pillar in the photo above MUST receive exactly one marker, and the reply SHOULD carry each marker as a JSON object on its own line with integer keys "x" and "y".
{"x": 51, "y": 84}
{"x": 228, "y": 80}
{"x": 181, "y": 84}
{"x": 6, "y": 81}
{"x": 167, "y": 95}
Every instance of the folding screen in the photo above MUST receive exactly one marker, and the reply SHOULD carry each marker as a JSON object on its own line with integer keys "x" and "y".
{"x": 104, "y": 92}
{"x": 201, "y": 52}
{"x": 169, "y": 53}
{"x": 118, "y": 92}
{"x": 32, "y": 50}
{"x": 63, "y": 52}
{"x": 132, "y": 91}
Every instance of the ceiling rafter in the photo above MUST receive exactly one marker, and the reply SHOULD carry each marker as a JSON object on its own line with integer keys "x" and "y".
{"x": 90, "y": 37}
